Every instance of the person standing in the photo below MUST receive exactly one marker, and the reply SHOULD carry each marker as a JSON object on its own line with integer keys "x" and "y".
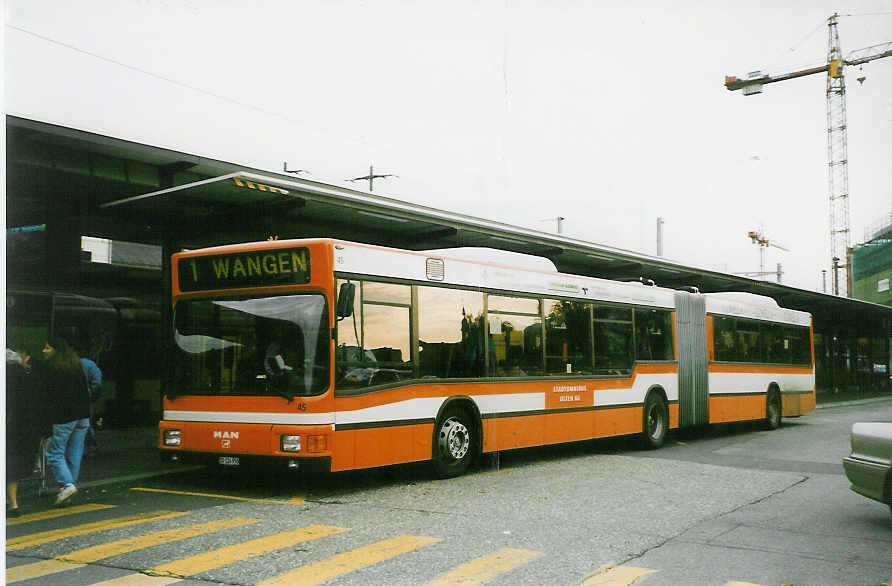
{"x": 26, "y": 422}
{"x": 94, "y": 386}
{"x": 70, "y": 408}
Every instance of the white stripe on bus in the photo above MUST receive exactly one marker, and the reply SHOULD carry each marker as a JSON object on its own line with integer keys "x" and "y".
{"x": 742, "y": 382}
{"x": 420, "y": 408}
{"x": 509, "y": 403}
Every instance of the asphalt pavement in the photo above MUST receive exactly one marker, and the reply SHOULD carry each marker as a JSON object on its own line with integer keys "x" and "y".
{"x": 129, "y": 454}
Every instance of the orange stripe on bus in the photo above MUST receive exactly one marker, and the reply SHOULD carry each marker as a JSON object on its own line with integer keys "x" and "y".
{"x": 797, "y": 404}
{"x": 381, "y": 446}
{"x": 736, "y": 408}
{"x": 710, "y": 346}
{"x": 384, "y": 446}
{"x": 760, "y": 369}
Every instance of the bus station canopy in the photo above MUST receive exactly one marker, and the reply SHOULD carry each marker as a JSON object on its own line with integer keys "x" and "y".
{"x": 244, "y": 205}
{"x": 134, "y": 192}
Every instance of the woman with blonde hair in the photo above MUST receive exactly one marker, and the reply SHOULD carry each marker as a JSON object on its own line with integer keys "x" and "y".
{"x": 70, "y": 408}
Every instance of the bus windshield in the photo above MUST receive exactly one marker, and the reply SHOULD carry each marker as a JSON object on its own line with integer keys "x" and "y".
{"x": 257, "y": 346}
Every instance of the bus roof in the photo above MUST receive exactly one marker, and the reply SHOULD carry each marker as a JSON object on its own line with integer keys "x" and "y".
{"x": 511, "y": 272}
{"x": 750, "y": 305}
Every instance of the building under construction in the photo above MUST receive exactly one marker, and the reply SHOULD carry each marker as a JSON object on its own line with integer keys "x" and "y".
{"x": 871, "y": 264}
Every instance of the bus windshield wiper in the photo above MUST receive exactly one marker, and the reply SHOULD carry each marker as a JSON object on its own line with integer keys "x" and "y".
{"x": 284, "y": 393}
{"x": 271, "y": 385}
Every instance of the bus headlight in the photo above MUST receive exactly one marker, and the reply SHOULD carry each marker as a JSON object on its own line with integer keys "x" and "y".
{"x": 290, "y": 443}
{"x": 172, "y": 437}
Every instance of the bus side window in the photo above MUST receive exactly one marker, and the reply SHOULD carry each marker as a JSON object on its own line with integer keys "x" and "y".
{"x": 750, "y": 345}
{"x": 774, "y": 347}
{"x": 515, "y": 336}
{"x": 374, "y": 344}
{"x": 799, "y": 340}
{"x": 613, "y": 340}
{"x": 723, "y": 339}
{"x": 568, "y": 337}
{"x": 450, "y": 333}
{"x": 653, "y": 334}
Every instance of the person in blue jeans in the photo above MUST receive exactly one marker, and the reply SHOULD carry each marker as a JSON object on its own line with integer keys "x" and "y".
{"x": 94, "y": 385}
{"x": 70, "y": 410}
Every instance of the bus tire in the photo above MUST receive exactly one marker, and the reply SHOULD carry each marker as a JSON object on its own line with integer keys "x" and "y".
{"x": 454, "y": 444}
{"x": 655, "y": 423}
{"x": 772, "y": 410}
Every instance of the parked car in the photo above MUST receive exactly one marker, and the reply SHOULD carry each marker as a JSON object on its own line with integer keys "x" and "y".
{"x": 869, "y": 467}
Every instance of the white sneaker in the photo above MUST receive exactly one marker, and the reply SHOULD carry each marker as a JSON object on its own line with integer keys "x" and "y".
{"x": 66, "y": 493}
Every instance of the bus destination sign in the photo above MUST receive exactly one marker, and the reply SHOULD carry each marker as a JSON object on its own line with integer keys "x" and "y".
{"x": 257, "y": 268}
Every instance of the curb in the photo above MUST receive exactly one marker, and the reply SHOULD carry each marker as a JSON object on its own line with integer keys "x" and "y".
{"x": 852, "y": 402}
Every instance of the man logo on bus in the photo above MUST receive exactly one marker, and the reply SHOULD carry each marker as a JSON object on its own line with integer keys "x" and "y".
{"x": 225, "y": 435}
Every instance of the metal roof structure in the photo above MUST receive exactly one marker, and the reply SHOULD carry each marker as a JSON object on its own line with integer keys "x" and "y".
{"x": 123, "y": 190}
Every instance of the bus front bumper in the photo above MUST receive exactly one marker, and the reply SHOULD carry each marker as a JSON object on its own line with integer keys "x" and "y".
{"x": 249, "y": 461}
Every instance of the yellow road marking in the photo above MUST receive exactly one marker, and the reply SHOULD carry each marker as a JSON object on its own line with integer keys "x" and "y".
{"x": 292, "y": 501}
{"x": 681, "y": 443}
{"x": 343, "y": 563}
{"x": 228, "y": 555}
{"x": 486, "y": 568}
{"x": 106, "y": 550}
{"x": 741, "y": 584}
{"x": 26, "y": 541}
{"x": 38, "y": 569}
{"x": 138, "y": 580}
{"x": 617, "y": 576}
{"x": 81, "y": 557}
{"x": 56, "y": 513}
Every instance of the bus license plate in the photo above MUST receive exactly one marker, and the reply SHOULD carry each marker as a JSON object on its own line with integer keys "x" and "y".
{"x": 228, "y": 460}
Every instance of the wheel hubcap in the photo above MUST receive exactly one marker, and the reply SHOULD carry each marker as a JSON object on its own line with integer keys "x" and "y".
{"x": 654, "y": 422}
{"x": 455, "y": 439}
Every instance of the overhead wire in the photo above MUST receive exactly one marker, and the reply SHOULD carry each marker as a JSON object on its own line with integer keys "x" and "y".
{"x": 799, "y": 43}
{"x": 870, "y": 14}
{"x": 190, "y": 87}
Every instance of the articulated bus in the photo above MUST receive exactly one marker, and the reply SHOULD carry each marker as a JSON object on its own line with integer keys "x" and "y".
{"x": 339, "y": 355}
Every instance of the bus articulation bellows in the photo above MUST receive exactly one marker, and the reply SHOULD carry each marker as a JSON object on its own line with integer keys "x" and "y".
{"x": 344, "y": 355}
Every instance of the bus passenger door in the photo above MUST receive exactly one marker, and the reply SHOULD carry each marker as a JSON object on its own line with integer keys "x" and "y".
{"x": 693, "y": 382}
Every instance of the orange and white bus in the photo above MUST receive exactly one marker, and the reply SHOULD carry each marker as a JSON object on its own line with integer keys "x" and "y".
{"x": 350, "y": 356}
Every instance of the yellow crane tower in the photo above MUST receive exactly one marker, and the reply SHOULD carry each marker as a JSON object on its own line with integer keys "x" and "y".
{"x": 837, "y": 148}
{"x": 763, "y": 242}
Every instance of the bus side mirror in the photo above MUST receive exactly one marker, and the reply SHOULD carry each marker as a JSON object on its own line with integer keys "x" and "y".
{"x": 345, "y": 300}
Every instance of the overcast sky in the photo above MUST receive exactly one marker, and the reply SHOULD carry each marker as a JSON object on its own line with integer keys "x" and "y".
{"x": 608, "y": 114}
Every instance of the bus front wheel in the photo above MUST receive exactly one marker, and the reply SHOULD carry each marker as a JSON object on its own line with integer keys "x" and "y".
{"x": 772, "y": 410}
{"x": 656, "y": 421}
{"x": 453, "y": 444}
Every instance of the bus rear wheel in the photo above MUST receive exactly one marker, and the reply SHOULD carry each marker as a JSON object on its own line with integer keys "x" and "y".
{"x": 772, "y": 410}
{"x": 454, "y": 444}
{"x": 656, "y": 421}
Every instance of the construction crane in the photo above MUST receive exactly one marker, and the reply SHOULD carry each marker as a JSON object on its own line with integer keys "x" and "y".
{"x": 837, "y": 147}
{"x": 764, "y": 243}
